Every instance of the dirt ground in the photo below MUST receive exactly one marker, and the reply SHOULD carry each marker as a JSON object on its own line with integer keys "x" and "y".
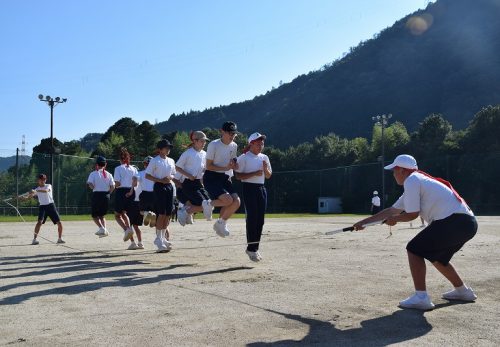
{"x": 310, "y": 289}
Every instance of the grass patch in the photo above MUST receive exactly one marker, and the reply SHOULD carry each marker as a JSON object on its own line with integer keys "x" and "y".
{"x": 85, "y": 217}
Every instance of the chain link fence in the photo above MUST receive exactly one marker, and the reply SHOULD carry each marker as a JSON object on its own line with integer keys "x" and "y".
{"x": 473, "y": 176}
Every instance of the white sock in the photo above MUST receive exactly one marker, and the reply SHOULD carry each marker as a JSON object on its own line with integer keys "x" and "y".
{"x": 421, "y": 293}
{"x": 222, "y": 221}
{"x": 158, "y": 233}
{"x": 463, "y": 288}
{"x": 162, "y": 233}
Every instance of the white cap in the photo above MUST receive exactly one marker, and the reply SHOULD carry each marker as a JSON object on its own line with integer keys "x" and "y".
{"x": 405, "y": 161}
{"x": 375, "y": 192}
{"x": 256, "y": 136}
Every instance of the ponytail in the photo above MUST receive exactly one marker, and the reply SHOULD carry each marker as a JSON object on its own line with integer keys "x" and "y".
{"x": 125, "y": 156}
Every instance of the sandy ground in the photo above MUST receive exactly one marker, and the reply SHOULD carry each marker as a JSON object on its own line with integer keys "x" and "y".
{"x": 310, "y": 289}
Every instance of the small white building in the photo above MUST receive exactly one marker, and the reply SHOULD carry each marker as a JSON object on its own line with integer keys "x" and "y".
{"x": 329, "y": 205}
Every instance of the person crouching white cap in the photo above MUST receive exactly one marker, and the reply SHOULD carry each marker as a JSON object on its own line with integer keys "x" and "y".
{"x": 405, "y": 161}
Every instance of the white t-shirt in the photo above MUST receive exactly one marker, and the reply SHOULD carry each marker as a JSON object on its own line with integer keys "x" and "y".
{"x": 376, "y": 201}
{"x": 146, "y": 185}
{"x": 193, "y": 162}
{"x": 101, "y": 183}
{"x": 124, "y": 174}
{"x": 250, "y": 162}
{"x": 221, "y": 154}
{"x": 431, "y": 198}
{"x": 44, "y": 194}
{"x": 161, "y": 168}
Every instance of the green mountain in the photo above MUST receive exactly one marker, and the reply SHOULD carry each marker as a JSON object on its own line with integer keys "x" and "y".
{"x": 7, "y": 162}
{"x": 444, "y": 59}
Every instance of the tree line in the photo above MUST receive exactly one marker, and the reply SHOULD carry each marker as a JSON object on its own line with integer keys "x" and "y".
{"x": 329, "y": 165}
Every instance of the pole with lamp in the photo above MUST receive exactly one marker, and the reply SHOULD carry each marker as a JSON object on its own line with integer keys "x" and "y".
{"x": 52, "y": 102}
{"x": 382, "y": 121}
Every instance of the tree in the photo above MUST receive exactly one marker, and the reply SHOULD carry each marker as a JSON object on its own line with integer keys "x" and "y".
{"x": 146, "y": 138}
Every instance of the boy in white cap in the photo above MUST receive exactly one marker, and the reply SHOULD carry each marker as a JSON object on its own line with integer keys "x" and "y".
{"x": 375, "y": 203}
{"x": 451, "y": 225}
{"x": 254, "y": 168}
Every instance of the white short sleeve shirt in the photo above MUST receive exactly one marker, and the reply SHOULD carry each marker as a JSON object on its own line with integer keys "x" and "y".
{"x": 101, "y": 183}
{"x": 432, "y": 199}
{"x": 124, "y": 174}
{"x": 220, "y": 153}
{"x": 193, "y": 162}
{"x": 250, "y": 162}
{"x": 161, "y": 168}
{"x": 376, "y": 201}
{"x": 44, "y": 194}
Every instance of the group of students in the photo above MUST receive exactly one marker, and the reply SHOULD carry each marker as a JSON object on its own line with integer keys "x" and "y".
{"x": 200, "y": 181}
{"x": 204, "y": 181}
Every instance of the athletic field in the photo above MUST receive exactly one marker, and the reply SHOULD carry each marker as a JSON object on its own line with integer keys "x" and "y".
{"x": 310, "y": 289}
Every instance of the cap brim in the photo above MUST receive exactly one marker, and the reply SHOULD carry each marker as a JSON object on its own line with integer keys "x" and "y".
{"x": 390, "y": 166}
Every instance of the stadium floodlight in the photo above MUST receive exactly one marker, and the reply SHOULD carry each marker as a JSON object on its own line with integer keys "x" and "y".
{"x": 51, "y": 102}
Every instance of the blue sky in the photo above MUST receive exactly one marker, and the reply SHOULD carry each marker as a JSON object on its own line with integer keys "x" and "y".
{"x": 149, "y": 59}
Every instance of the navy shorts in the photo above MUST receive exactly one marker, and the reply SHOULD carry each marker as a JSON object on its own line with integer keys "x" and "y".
{"x": 164, "y": 198}
{"x": 50, "y": 211}
{"x": 217, "y": 183}
{"x": 441, "y": 239}
{"x": 147, "y": 201}
{"x": 122, "y": 202}
{"x": 99, "y": 204}
{"x": 181, "y": 197}
{"x": 194, "y": 192}
{"x": 134, "y": 213}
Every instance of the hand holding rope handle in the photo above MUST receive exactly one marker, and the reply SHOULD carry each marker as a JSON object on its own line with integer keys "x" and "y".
{"x": 351, "y": 228}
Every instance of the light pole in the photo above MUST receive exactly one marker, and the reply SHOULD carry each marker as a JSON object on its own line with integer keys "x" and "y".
{"x": 382, "y": 120}
{"x": 52, "y": 102}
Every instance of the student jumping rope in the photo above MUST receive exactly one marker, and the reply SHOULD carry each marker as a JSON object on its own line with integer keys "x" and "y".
{"x": 46, "y": 207}
{"x": 451, "y": 225}
{"x": 161, "y": 171}
{"x": 124, "y": 195}
{"x": 191, "y": 165}
{"x": 135, "y": 211}
{"x": 254, "y": 168}
{"x": 220, "y": 162}
{"x": 102, "y": 184}
{"x": 146, "y": 196}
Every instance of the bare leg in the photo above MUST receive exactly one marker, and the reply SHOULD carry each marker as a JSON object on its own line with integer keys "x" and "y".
{"x": 228, "y": 211}
{"x": 97, "y": 221}
{"x": 138, "y": 233}
{"x": 450, "y": 273}
{"x": 418, "y": 270}
{"x": 59, "y": 229}
{"x": 37, "y": 228}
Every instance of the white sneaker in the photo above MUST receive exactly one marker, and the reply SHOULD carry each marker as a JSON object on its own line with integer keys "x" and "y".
{"x": 159, "y": 244}
{"x": 147, "y": 218}
{"x": 462, "y": 295}
{"x": 415, "y": 301}
{"x": 254, "y": 256}
{"x": 140, "y": 245}
{"x": 207, "y": 209}
{"x": 221, "y": 229}
{"x": 133, "y": 245}
{"x": 60, "y": 241}
{"x": 190, "y": 219}
{"x": 35, "y": 242}
{"x": 182, "y": 216}
{"x": 100, "y": 231}
{"x": 128, "y": 234}
{"x": 152, "y": 222}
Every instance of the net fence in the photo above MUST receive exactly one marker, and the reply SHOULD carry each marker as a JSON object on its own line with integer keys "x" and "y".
{"x": 297, "y": 191}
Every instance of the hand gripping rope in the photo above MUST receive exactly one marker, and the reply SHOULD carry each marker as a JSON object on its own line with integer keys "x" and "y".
{"x": 333, "y": 232}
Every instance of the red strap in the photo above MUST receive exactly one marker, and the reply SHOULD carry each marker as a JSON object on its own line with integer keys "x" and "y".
{"x": 446, "y": 183}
